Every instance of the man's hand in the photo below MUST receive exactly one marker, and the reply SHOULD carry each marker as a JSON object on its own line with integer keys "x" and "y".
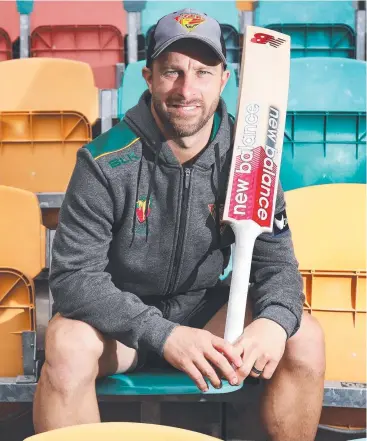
{"x": 261, "y": 346}
{"x": 196, "y": 351}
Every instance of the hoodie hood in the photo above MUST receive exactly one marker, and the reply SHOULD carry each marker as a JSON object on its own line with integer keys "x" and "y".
{"x": 141, "y": 121}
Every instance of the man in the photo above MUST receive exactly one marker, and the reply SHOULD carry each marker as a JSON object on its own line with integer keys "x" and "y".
{"x": 139, "y": 250}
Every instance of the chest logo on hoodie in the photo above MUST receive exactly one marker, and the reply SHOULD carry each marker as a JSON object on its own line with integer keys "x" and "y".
{"x": 212, "y": 209}
{"x": 140, "y": 210}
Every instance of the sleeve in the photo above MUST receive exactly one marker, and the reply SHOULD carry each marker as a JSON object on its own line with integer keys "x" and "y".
{"x": 276, "y": 285}
{"x": 80, "y": 285}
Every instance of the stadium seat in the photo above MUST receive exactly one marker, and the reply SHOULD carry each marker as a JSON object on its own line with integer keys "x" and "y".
{"x": 119, "y": 432}
{"x": 225, "y": 12}
{"x": 47, "y": 108}
{"x": 22, "y": 258}
{"x": 133, "y": 85}
{"x": 325, "y": 132}
{"x": 328, "y": 224}
{"x": 99, "y": 12}
{"x": 322, "y": 28}
{"x": 101, "y": 46}
{"x": 9, "y": 19}
{"x": 48, "y": 85}
{"x": 5, "y": 46}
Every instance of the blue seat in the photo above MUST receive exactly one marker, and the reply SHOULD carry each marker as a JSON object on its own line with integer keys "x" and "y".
{"x": 325, "y": 132}
{"x": 322, "y": 28}
{"x": 133, "y": 85}
{"x": 225, "y": 12}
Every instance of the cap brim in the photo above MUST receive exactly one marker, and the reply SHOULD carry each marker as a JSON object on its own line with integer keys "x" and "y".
{"x": 192, "y": 37}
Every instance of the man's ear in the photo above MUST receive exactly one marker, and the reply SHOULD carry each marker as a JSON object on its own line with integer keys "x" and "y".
{"x": 225, "y": 77}
{"x": 147, "y": 74}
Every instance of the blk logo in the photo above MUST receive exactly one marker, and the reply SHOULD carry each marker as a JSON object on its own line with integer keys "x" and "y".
{"x": 261, "y": 38}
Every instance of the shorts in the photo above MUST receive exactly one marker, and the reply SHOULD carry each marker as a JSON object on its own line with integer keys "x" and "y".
{"x": 193, "y": 309}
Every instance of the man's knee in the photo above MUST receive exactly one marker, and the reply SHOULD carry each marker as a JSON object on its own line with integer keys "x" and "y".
{"x": 305, "y": 351}
{"x": 73, "y": 349}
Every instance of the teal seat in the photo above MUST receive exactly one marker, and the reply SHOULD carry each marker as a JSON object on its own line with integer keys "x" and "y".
{"x": 312, "y": 12}
{"x": 133, "y": 85}
{"x": 317, "y": 28}
{"x": 223, "y": 11}
{"x": 325, "y": 134}
{"x": 156, "y": 382}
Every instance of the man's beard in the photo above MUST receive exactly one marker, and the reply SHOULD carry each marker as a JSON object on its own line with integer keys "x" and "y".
{"x": 181, "y": 127}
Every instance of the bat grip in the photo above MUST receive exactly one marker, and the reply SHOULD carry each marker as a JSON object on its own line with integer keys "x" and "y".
{"x": 245, "y": 236}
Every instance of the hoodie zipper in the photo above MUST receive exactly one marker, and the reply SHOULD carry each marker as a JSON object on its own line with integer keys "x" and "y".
{"x": 181, "y": 229}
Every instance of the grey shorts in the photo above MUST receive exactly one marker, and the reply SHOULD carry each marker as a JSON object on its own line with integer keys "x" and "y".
{"x": 193, "y": 309}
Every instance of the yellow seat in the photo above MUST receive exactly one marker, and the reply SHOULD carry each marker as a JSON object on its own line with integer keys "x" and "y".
{"x": 246, "y": 5}
{"x": 48, "y": 85}
{"x": 22, "y": 257}
{"x": 328, "y": 224}
{"x": 38, "y": 149}
{"x": 23, "y": 237}
{"x": 119, "y": 432}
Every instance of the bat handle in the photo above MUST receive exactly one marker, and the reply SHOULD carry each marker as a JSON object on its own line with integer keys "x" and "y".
{"x": 245, "y": 236}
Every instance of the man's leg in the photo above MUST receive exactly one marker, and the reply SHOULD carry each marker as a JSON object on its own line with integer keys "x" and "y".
{"x": 292, "y": 401}
{"x": 76, "y": 354}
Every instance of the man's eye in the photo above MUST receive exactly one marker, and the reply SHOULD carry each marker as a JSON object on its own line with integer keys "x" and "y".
{"x": 170, "y": 73}
{"x": 202, "y": 73}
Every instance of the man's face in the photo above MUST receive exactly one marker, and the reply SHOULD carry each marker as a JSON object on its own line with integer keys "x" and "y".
{"x": 186, "y": 81}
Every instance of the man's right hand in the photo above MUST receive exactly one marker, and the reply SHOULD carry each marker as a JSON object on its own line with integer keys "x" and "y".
{"x": 196, "y": 351}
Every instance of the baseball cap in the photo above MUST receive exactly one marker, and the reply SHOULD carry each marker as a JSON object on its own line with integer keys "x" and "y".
{"x": 186, "y": 23}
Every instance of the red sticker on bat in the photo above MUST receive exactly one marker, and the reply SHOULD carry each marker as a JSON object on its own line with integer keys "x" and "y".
{"x": 262, "y": 38}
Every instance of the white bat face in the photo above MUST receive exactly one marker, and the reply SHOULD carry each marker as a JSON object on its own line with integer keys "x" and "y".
{"x": 259, "y": 128}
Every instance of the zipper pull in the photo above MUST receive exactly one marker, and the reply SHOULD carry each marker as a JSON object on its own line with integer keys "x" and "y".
{"x": 187, "y": 177}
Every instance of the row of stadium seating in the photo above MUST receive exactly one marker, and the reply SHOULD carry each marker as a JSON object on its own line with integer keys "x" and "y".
{"x": 96, "y": 32}
{"x": 42, "y": 127}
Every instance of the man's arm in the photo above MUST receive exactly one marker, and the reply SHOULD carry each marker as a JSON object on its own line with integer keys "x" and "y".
{"x": 81, "y": 287}
{"x": 276, "y": 283}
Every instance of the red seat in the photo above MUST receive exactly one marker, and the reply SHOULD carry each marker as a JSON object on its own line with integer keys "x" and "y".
{"x": 9, "y": 19}
{"x": 5, "y": 46}
{"x": 101, "y": 46}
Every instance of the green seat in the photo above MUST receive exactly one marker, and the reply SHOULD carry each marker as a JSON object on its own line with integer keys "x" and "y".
{"x": 156, "y": 382}
{"x": 325, "y": 132}
{"x": 133, "y": 85}
{"x": 316, "y": 28}
{"x": 224, "y": 12}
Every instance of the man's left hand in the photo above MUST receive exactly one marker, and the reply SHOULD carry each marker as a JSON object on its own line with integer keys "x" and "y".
{"x": 261, "y": 346}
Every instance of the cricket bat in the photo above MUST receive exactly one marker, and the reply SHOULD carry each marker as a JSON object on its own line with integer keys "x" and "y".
{"x": 257, "y": 150}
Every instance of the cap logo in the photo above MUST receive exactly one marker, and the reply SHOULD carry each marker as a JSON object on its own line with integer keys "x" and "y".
{"x": 190, "y": 21}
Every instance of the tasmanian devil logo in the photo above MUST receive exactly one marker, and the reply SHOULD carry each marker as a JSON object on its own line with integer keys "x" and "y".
{"x": 190, "y": 21}
{"x": 140, "y": 210}
{"x": 261, "y": 38}
{"x": 213, "y": 212}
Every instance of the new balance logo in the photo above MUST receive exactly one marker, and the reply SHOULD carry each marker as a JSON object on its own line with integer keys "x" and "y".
{"x": 261, "y": 38}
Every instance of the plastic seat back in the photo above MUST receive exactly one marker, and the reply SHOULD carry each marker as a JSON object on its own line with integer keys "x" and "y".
{"x": 5, "y": 46}
{"x": 119, "y": 431}
{"x": 328, "y": 224}
{"x": 22, "y": 244}
{"x": 38, "y": 149}
{"x": 17, "y": 314}
{"x": 133, "y": 85}
{"x": 101, "y": 46}
{"x": 225, "y": 12}
{"x": 9, "y": 19}
{"x": 325, "y": 134}
{"x": 100, "y": 12}
{"x": 48, "y": 85}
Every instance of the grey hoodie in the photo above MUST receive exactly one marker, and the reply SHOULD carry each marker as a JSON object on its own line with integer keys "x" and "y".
{"x": 135, "y": 224}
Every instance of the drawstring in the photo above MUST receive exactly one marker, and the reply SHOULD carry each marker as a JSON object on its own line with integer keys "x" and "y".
{"x": 136, "y": 200}
{"x": 217, "y": 200}
{"x": 152, "y": 176}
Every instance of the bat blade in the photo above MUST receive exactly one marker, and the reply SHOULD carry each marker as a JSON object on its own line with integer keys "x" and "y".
{"x": 254, "y": 174}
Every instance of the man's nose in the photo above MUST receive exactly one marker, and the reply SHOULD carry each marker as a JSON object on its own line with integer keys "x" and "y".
{"x": 186, "y": 87}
